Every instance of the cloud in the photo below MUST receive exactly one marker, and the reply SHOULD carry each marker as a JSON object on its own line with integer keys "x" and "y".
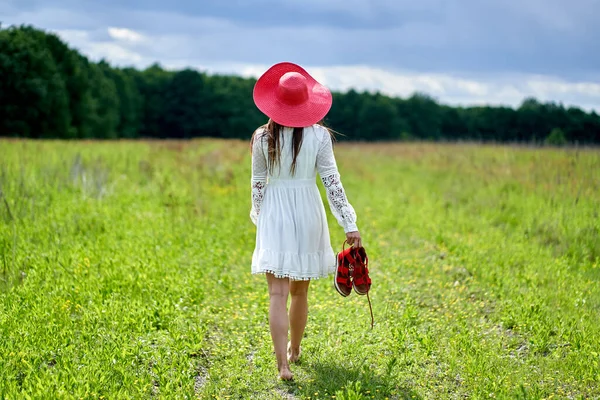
{"x": 110, "y": 50}
{"x": 125, "y": 34}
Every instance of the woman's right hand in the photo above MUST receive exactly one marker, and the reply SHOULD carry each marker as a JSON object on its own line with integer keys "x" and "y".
{"x": 353, "y": 239}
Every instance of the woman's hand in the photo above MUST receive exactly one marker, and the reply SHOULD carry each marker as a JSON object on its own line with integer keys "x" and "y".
{"x": 353, "y": 239}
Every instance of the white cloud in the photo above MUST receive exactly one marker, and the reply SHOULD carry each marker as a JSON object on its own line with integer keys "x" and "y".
{"x": 545, "y": 87}
{"x": 125, "y": 34}
{"x": 110, "y": 50}
{"x": 115, "y": 53}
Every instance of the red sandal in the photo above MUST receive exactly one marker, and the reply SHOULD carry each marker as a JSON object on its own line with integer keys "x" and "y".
{"x": 352, "y": 271}
{"x": 360, "y": 277}
{"x": 342, "y": 279}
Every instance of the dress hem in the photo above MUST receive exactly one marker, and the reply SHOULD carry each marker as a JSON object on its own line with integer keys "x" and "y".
{"x": 296, "y": 266}
{"x": 282, "y": 275}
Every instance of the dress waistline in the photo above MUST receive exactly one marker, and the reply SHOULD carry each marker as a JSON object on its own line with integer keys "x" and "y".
{"x": 292, "y": 182}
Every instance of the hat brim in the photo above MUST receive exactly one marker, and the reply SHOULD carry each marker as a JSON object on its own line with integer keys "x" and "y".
{"x": 313, "y": 110}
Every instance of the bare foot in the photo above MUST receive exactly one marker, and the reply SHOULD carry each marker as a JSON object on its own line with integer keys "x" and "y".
{"x": 285, "y": 374}
{"x": 293, "y": 354}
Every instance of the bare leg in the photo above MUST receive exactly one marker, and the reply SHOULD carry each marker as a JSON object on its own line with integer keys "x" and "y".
{"x": 278, "y": 322}
{"x": 298, "y": 316}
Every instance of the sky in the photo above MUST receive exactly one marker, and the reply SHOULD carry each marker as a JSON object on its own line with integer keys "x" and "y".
{"x": 461, "y": 52}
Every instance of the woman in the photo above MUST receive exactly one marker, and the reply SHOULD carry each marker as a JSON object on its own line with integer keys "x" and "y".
{"x": 292, "y": 239}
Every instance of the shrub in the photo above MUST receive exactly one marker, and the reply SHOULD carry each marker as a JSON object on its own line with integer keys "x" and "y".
{"x": 556, "y": 138}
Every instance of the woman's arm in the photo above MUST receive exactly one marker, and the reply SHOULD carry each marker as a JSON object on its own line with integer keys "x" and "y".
{"x": 338, "y": 202}
{"x": 259, "y": 177}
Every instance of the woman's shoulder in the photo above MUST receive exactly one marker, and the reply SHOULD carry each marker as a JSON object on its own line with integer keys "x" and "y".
{"x": 320, "y": 131}
{"x": 321, "y": 134}
{"x": 260, "y": 132}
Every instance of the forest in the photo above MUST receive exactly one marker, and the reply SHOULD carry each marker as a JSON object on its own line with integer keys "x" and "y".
{"x": 50, "y": 90}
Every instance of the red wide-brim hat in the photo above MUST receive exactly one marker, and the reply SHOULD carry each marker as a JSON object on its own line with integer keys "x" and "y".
{"x": 288, "y": 95}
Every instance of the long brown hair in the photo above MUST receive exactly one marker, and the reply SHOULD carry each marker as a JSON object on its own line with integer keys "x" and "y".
{"x": 272, "y": 131}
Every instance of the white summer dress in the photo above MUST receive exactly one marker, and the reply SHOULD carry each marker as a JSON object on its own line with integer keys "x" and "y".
{"x": 292, "y": 236}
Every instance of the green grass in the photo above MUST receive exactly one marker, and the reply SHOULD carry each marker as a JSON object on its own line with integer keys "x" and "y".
{"x": 125, "y": 273}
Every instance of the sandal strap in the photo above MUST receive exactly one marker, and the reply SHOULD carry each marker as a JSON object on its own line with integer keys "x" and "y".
{"x": 344, "y": 281}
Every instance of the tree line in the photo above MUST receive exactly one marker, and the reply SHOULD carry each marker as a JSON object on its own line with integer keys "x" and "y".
{"x": 49, "y": 90}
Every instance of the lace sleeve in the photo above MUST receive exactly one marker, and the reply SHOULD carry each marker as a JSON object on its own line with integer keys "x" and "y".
{"x": 338, "y": 202}
{"x": 259, "y": 178}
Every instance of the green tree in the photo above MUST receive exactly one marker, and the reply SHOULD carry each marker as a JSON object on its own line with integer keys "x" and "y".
{"x": 533, "y": 123}
{"x": 73, "y": 70}
{"x": 453, "y": 124}
{"x": 33, "y": 93}
{"x": 234, "y": 115}
{"x": 343, "y": 115}
{"x": 378, "y": 117}
{"x": 187, "y": 106}
{"x": 423, "y": 115}
{"x": 152, "y": 84}
{"x": 130, "y": 100}
{"x": 103, "y": 114}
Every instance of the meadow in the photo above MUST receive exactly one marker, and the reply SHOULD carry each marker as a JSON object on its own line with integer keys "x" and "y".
{"x": 125, "y": 274}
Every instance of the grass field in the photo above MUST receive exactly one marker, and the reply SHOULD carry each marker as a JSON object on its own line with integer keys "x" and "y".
{"x": 125, "y": 273}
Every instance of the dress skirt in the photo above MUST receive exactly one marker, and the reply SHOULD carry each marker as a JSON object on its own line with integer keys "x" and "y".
{"x": 292, "y": 237}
